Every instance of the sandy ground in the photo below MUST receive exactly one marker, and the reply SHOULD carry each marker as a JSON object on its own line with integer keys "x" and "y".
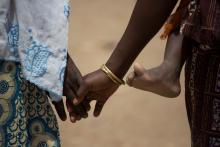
{"x": 131, "y": 118}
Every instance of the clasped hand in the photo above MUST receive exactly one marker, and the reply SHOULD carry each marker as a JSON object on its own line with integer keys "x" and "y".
{"x": 80, "y": 91}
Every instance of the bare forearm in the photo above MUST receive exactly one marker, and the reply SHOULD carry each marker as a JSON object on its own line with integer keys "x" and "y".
{"x": 147, "y": 18}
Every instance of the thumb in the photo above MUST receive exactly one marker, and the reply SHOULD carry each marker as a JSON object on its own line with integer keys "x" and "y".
{"x": 98, "y": 108}
{"x": 138, "y": 69}
{"x": 81, "y": 94}
{"x": 59, "y": 106}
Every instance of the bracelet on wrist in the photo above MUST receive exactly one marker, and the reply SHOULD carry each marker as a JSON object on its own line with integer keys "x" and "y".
{"x": 112, "y": 76}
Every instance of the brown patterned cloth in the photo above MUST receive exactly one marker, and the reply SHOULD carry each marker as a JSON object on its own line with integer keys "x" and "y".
{"x": 202, "y": 22}
{"x": 202, "y": 74}
{"x": 202, "y": 84}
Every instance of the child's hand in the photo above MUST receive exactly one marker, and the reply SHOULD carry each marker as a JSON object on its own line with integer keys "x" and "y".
{"x": 97, "y": 86}
{"x": 72, "y": 81}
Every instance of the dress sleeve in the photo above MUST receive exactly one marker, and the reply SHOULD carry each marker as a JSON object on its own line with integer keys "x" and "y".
{"x": 4, "y": 9}
{"x": 43, "y": 39}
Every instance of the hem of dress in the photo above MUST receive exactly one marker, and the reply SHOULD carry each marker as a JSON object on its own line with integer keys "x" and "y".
{"x": 54, "y": 96}
{"x": 10, "y": 59}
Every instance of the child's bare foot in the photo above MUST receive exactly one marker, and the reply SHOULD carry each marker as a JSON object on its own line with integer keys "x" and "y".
{"x": 162, "y": 80}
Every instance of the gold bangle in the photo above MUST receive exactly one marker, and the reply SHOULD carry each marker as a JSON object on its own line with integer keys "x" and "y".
{"x": 106, "y": 72}
{"x": 111, "y": 75}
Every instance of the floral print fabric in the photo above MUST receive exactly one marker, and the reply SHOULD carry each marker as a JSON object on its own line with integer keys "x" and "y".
{"x": 26, "y": 117}
{"x": 34, "y": 33}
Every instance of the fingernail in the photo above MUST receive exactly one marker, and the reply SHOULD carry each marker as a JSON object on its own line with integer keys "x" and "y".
{"x": 69, "y": 110}
{"x": 75, "y": 101}
{"x": 96, "y": 114}
{"x": 85, "y": 115}
{"x": 72, "y": 119}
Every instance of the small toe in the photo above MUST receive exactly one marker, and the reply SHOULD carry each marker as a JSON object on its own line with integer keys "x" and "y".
{"x": 138, "y": 69}
{"x": 130, "y": 78}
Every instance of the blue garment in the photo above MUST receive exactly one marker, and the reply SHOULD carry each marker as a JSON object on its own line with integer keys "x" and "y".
{"x": 26, "y": 117}
{"x": 35, "y": 33}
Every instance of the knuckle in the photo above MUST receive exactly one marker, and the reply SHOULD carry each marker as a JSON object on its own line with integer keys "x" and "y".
{"x": 85, "y": 85}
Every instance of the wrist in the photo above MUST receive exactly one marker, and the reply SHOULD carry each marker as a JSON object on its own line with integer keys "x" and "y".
{"x": 119, "y": 68}
{"x": 116, "y": 68}
{"x": 114, "y": 78}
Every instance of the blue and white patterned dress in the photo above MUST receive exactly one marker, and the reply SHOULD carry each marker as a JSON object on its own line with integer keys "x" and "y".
{"x": 35, "y": 33}
{"x": 33, "y": 50}
{"x": 26, "y": 117}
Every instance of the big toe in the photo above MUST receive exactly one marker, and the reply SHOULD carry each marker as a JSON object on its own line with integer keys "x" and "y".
{"x": 139, "y": 69}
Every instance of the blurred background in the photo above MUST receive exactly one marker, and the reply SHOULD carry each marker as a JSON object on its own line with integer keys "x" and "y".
{"x": 131, "y": 118}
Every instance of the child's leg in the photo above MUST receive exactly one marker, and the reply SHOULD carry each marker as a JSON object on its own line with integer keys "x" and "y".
{"x": 164, "y": 79}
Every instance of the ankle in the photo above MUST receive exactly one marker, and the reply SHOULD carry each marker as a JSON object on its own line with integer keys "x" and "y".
{"x": 171, "y": 70}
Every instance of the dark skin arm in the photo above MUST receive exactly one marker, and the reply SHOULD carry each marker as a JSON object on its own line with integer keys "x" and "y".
{"x": 147, "y": 18}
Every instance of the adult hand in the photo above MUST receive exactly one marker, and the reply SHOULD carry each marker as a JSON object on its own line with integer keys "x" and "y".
{"x": 72, "y": 81}
{"x": 97, "y": 86}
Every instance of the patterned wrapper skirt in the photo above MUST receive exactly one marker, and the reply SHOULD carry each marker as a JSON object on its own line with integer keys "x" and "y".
{"x": 202, "y": 83}
{"x": 26, "y": 116}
